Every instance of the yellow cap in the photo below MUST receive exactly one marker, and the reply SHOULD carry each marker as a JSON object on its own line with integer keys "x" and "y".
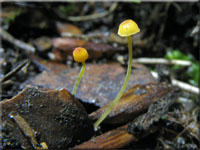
{"x": 80, "y": 54}
{"x": 127, "y": 28}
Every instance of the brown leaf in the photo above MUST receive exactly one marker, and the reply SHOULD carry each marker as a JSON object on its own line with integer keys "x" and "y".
{"x": 100, "y": 83}
{"x": 67, "y": 44}
{"x": 95, "y": 50}
{"x": 69, "y": 28}
{"x": 133, "y": 103}
{"x": 57, "y": 117}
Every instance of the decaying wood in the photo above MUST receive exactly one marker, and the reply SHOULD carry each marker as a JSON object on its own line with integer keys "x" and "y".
{"x": 145, "y": 123}
{"x": 116, "y": 138}
{"x": 58, "y": 118}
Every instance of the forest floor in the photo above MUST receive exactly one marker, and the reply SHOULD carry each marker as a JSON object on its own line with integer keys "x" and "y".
{"x": 40, "y": 37}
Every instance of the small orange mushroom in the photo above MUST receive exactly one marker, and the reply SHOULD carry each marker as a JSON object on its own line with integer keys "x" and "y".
{"x": 80, "y": 54}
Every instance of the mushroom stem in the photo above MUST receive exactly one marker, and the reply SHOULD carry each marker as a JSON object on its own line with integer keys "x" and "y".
{"x": 114, "y": 102}
{"x": 78, "y": 79}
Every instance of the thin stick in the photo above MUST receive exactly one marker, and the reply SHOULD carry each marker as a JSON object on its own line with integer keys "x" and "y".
{"x": 6, "y": 36}
{"x": 184, "y": 86}
{"x": 14, "y": 71}
{"x": 114, "y": 102}
{"x": 162, "y": 61}
{"x": 93, "y": 16}
{"x": 78, "y": 79}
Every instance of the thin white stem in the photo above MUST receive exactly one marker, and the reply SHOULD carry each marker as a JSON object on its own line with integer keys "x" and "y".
{"x": 162, "y": 61}
{"x": 184, "y": 86}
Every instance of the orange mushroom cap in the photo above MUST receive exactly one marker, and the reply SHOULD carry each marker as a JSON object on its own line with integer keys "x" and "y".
{"x": 127, "y": 28}
{"x": 80, "y": 54}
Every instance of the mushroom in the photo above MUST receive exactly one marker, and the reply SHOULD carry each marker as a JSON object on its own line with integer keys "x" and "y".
{"x": 80, "y": 54}
{"x": 126, "y": 29}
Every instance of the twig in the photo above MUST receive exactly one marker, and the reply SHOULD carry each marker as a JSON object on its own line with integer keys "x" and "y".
{"x": 184, "y": 86}
{"x": 6, "y": 36}
{"x": 14, "y": 71}
{"x": 93, "y": 16}
{"x": 162, "y": 61}
{"x": 25, "y": 68}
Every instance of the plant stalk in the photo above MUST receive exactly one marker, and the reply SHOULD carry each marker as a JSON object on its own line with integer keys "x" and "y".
{"x": 78, "y": 79}
{"x": 114, "y": 102}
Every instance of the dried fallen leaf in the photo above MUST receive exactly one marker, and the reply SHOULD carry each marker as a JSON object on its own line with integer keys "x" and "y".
{"x": 67, "y": 28}
{"x": 133, "y": 103}
{"x": 66, "y": 45}
{"x": 100, "y": 83}
{"x": 55, "y": 115}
